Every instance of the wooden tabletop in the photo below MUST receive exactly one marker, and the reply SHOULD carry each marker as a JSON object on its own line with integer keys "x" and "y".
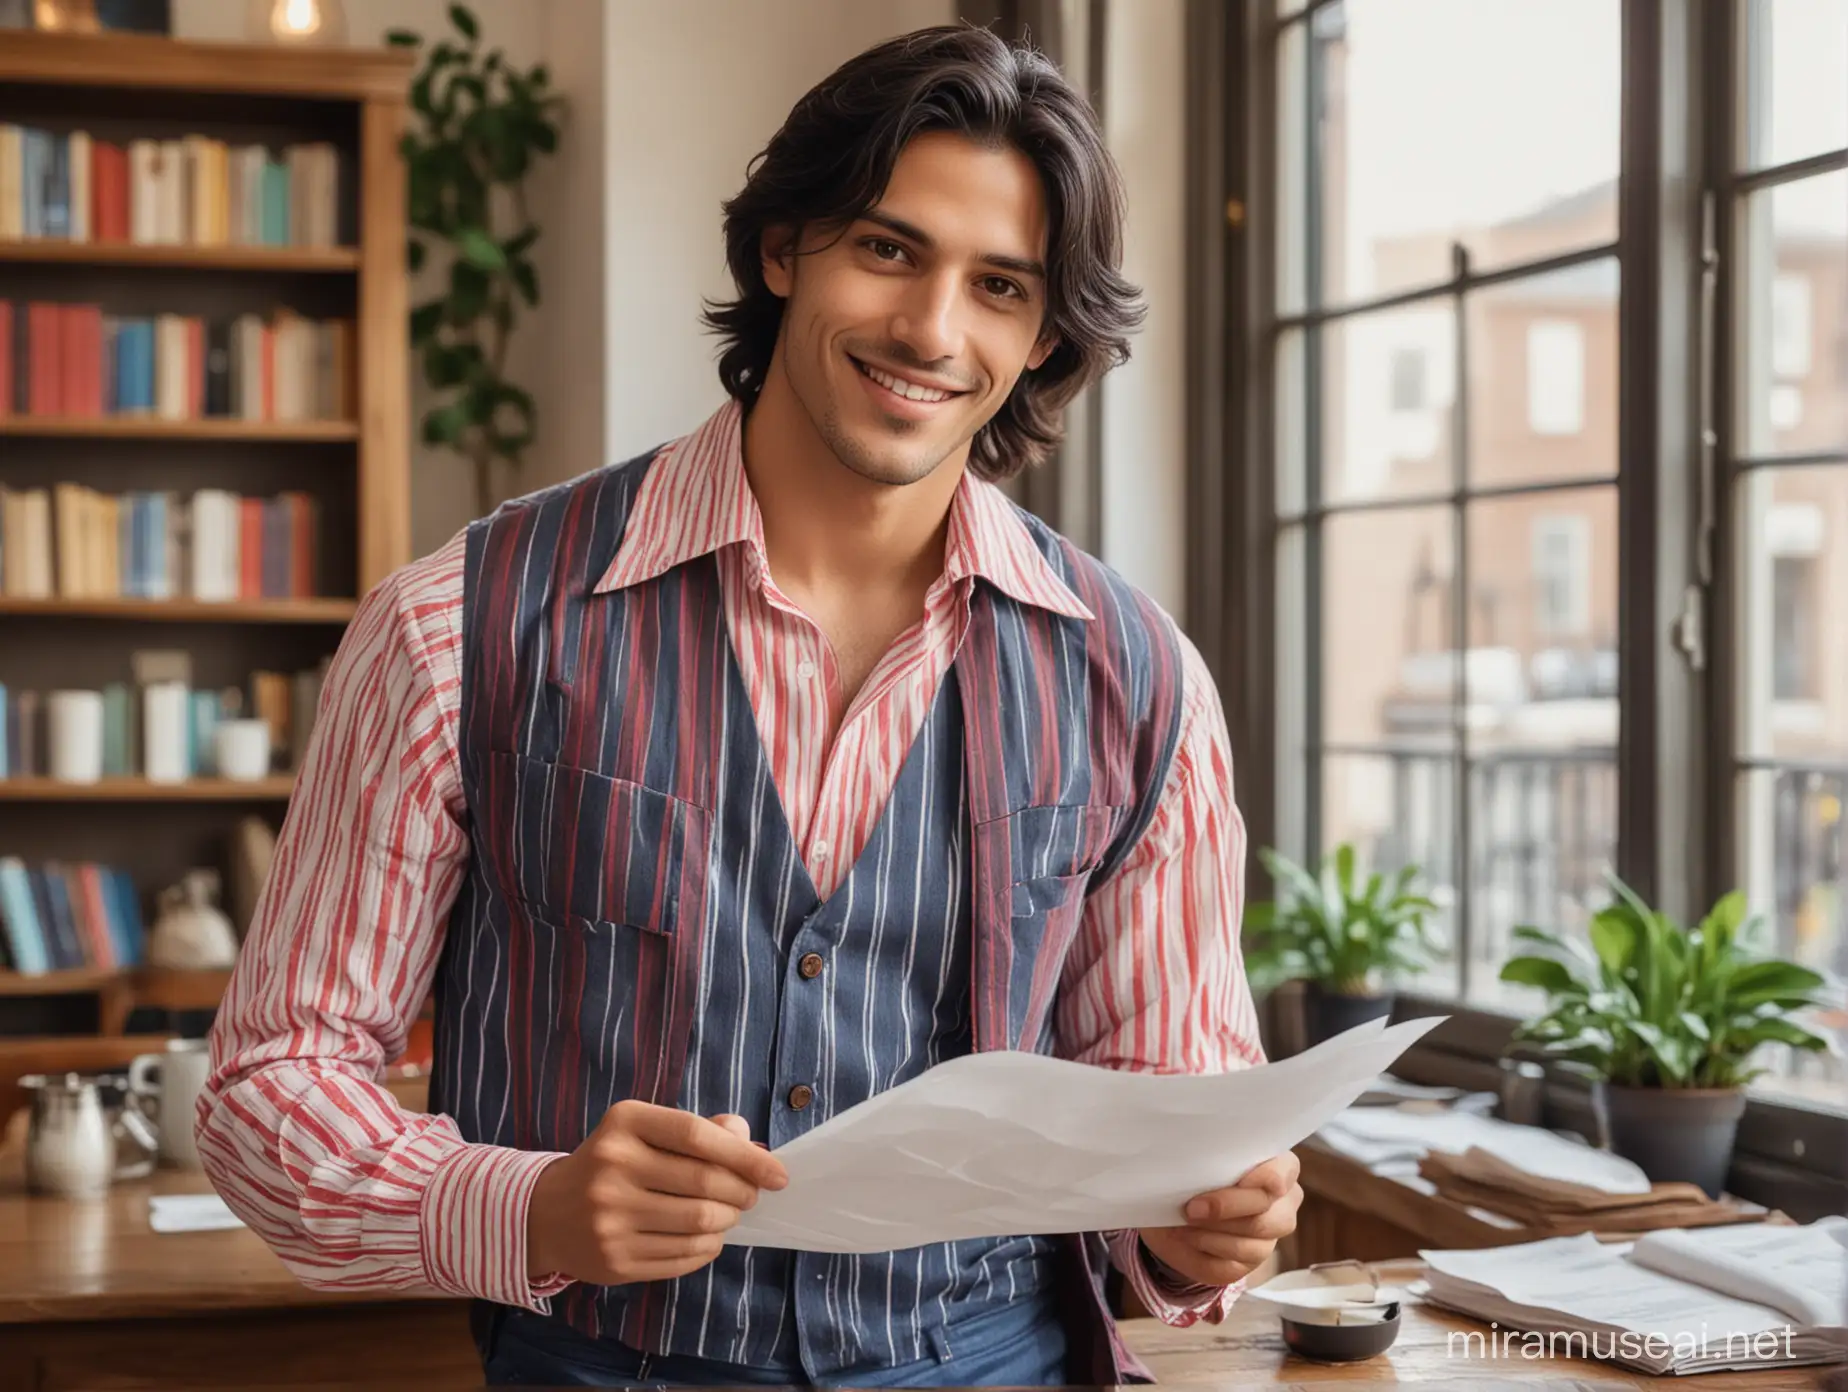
{"x": 61, "y": 1259}
{"x": 1248, "y": 1349}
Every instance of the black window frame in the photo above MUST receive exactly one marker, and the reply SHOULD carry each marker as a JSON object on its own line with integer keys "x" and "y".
{"x": 1676, "y": 842}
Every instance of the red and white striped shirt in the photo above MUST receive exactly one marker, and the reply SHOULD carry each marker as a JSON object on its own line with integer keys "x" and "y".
{"x": 353, "y": 1192}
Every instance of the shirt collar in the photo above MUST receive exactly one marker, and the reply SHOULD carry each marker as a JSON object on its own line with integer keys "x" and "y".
{"x": 695, "y": 500}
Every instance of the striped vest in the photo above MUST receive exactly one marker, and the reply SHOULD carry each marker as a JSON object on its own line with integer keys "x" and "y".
{"x": 638, "y": 923}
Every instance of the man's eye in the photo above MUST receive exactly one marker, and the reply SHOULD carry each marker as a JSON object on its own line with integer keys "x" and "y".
{"x": 883, "y": 249}
{"x": 1000, "y": 286}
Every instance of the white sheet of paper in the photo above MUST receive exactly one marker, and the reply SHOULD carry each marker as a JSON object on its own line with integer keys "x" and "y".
{"x": 998, "y": 1144}
{"x": 169, "y": 1213}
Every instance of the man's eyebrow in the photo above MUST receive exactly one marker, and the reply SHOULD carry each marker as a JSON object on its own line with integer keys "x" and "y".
{"x": 1020, "y": 265}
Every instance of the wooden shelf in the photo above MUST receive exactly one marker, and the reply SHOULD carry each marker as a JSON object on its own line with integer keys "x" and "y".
{"x": 153, "y": 428}
{"x": 161, "y": 987}
{"x": 202, "y": 258}
{"x": 274, "y": 789}
{"x": 280, "y": 611}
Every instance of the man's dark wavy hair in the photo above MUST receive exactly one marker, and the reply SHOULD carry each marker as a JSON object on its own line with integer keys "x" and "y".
{"x": 831, "y": 162}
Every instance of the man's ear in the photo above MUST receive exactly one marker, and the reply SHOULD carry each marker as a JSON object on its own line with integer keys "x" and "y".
{"x": 1041, "y": 351}
{"x": 777, "y": 250}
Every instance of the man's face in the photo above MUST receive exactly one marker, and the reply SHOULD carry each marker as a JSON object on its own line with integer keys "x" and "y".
{"x": 904, "y": 334}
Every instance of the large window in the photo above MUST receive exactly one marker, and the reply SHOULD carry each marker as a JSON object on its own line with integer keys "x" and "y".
{"x": 1785, "y": 199}
{"x": 1450, "y": 324}
{"x": 1447, "y": 452}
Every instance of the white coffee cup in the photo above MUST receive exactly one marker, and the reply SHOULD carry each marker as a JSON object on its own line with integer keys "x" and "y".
{"x": 75, "y": 720}
{"x": 242, "y": 748}
{"x": 172, "y": 1095}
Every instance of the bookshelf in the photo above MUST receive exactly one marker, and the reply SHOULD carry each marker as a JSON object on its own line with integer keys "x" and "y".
{"x": 121, "y": 88}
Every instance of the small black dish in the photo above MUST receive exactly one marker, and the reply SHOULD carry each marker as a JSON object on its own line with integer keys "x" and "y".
{"x": 1341, "y": 1343}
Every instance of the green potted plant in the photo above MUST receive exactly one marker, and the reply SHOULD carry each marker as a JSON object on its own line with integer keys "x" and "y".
{"x": 1667, "y": 1020}
{"x": 479, "y": 126}
{"x": 1340, "y": 935}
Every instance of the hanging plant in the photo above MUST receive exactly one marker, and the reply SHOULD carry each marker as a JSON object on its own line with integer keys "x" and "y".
{"x": 481, "y": 125}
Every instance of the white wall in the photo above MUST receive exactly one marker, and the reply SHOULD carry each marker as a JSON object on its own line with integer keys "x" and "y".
{"x": 1144, "y": 408}
{"x": 695, "y": 90}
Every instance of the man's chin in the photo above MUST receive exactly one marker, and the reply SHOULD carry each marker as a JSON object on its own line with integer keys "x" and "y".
{"x": 887, "y": 467}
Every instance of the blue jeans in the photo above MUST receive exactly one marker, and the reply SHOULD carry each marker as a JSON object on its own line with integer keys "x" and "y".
{"x": 1003, "y": 1347}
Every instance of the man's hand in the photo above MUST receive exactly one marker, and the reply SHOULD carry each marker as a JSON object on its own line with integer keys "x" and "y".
{"x": 1230, "y": 1232}
{"x": 648, "y": 1196}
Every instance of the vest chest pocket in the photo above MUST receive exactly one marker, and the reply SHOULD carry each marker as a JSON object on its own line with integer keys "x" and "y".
{"x": 1051, "y": 855}
{"x": 592, "y": 852}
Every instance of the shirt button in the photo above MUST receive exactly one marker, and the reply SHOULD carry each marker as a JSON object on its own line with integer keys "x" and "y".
{"x": 810, "y": 966}
{"x": 805, "y": 669}
{"x": 800, "y": 1096}
{"x": 822, "y": 848}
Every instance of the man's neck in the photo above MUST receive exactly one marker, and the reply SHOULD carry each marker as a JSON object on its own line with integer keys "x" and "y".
{"x": 825, "y": 526}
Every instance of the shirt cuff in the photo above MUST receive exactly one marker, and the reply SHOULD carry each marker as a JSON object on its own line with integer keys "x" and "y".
{"x": 1163, "y": 1293}
{"x": 472, "y": 1227}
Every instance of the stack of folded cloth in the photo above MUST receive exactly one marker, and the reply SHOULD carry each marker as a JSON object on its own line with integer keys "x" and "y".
{"x": 1478, "y": 1178}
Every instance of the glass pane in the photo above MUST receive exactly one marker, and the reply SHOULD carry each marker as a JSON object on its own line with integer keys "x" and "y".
{"x": 1796, "y": 317}
{"x": 1447, "y": 121}
{"x": 1388, "y": 672}
{"x": 1292, "y": 168}
{"x": 1793, "y": 613}
{"x": 1543, "y": 833}
{"x": 1796, "y": 837}
{"x": 1388, "y": 392}
{"x": 1798, "y": 55}
{"x": 1543, "y": 377}
{"x": 1543, "y": 621}
{"x": 1292, "y": 421}
{"x": 1396, "y": 810}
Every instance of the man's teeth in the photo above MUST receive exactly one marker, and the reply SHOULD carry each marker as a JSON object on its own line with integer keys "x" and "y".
{"x": 911, "y": 391}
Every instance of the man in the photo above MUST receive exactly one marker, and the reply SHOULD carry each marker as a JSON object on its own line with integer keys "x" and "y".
{"x": 711, "y": 794}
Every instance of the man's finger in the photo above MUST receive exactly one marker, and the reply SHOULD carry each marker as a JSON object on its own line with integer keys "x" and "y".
{"x": 1277, "y": 1221}
{"x": 664, "y": 1172}
{"x": 1248, "y": 1251}
{"x": 1222, "y": 1205}
{"x": 687, "y": 1134}
{"x": 1275, "y": 1176}
{"x": 686, "y": 1217}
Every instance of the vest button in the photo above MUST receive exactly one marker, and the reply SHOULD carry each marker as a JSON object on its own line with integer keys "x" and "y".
{"x": 810, "y": 966}
{"x": 800, "y": 1096}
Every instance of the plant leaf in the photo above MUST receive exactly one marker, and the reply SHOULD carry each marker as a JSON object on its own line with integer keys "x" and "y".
{"x": 464, "y": 21}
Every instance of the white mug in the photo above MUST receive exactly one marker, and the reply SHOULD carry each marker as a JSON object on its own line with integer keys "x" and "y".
{"x": 76, "y": 736}
{"x": 242, "y": 749}
{"x": 173, "y": 1095}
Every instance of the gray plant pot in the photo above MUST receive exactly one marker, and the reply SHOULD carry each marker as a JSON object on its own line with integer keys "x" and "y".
{"x": 1683, "y": 1134}
{"x": 1327, "y": 1013}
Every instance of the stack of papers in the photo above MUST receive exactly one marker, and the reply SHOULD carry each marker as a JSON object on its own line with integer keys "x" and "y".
{"x": 1760, "y": 1296}
{"x": 1393, "y": 1141}
{"x": 1481, "y": 1179}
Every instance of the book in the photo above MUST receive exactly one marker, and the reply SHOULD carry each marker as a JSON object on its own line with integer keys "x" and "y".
{"x": 1752, "y": 1297}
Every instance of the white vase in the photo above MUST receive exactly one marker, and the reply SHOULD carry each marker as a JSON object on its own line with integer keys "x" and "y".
{"x": 192, "y": 932}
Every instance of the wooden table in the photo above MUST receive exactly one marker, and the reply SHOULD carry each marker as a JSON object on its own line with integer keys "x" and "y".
{"x": 91, "y": 1297}
{"x": 1248, "y": 1350}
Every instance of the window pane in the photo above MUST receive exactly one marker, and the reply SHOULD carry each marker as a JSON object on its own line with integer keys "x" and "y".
{"x": 1400, "y": 809}
{"x": 1543, "y": 377}
{"x": 1292, "y": 168}
{"x": 1543, "y": 619}
{"x": 1388, "y": 674}
{"x": 1797, "y": 878}
{"x": 1543, "y": 717}
{"x": 1793, "y": 613}
{"x": 1795, "y": 316}
{"x": 1388, "y": 393}
{"x": 1798, "y": 55}
{"x": 1543, "y": 833}
{"x": 1292, "y": 412}
{"x": 1448, "y": 121}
